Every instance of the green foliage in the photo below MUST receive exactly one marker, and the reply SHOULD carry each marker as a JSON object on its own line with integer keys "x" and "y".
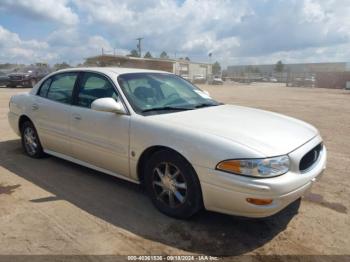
{"x": 216, "y": 68}
{"x": 148, "y": 55}
{"x": 279, "y": 67}
{"x": 252, "y": 69}
{"x": 164, "y": 55}
{"x": 134, "y": 53}
{"x": 63, "y": 65}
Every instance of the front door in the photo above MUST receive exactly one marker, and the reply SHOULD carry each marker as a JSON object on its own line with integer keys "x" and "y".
{"x": 99, "y": 138}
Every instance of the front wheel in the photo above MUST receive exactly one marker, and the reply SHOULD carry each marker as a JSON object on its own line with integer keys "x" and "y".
{"x": 172, "y": 185}
{"x": 30, "y": 140}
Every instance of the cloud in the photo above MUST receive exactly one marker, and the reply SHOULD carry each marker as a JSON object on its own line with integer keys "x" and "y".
{"x": 235, "y": 31}
{"x": 228, "y": 29}
{"x": 70, "y": 49}
{"x": 52, "y": 10}
{"x": 14, "y": 49}
{"x": 336, "y": 53}
{"x": 65, "y": 37}
{"x": 165, "y": 24}
{"x": 73, "y": 46}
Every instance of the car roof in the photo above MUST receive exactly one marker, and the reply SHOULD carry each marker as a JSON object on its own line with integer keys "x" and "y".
{"x": 115, "y": 70}
{"x": 104, "y": 70}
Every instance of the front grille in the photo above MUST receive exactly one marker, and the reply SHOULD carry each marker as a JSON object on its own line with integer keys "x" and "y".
{"x": 310, "y": 158}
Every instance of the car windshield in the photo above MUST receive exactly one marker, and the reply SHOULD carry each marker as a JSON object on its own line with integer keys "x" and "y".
{"x": 25, "y": 70}
{"x": 157, "y": 93}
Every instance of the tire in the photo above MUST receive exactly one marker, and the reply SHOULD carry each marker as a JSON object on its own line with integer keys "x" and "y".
{"x": 30, "y": 141}
{"x": 178, "y": 193}
{"x": 32, "y": 83}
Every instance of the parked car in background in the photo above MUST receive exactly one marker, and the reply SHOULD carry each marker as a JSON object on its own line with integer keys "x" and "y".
{"x": 155, "y": 128}
{"x": 199, "y": 79}
{"x": 27, "y": 76}
{"x": 273, "y": 80}
{"x": 4, "y": 79}
{"x": 217, "y": 80}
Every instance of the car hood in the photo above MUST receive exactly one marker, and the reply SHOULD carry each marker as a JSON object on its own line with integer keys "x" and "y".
{"x": 268, "y": 133}
{"x": 19, "y": 74}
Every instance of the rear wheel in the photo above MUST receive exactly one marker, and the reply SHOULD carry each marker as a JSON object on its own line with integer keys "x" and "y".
{"x": 30, "y": 140}
{"x": 172, "y": 185}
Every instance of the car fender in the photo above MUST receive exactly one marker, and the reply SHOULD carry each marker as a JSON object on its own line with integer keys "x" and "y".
{"x": 199, "y": 148}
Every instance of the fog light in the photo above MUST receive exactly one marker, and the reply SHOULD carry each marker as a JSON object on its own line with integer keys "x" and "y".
{"x": 259, "y": 202}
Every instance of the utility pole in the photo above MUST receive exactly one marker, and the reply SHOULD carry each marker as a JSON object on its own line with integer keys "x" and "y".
{"x": 139, "y": 44}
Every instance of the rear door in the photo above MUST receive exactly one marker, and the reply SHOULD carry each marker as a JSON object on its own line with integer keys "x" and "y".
{"x": 52, "y": 110}
{"x": 99, "y": 138}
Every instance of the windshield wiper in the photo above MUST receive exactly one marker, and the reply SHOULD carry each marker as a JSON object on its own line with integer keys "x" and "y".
{"x": 206, "y": 105}
{"x": 166, "y": 108}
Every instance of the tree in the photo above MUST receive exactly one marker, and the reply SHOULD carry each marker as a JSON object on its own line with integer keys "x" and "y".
{"x": 279, "y": 67}
{"x": 256, "y": 70}
{"x": 164, "y": 55}
{"x": 252, "y": 69}
{"x": 249, "y": 69}
{"x": 187, "y": 58}
{"x": 148, "y": 55}
{"x": 134, "y": 53}
{"x": 216, "y": 68}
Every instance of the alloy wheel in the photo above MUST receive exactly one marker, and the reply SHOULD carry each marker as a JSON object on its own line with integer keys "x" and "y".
{"x": 30, "y": 140}
{"x": 169, "y": 184}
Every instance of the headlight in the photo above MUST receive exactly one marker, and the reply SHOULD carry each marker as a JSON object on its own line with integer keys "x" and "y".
{"x": 268, "y": 167}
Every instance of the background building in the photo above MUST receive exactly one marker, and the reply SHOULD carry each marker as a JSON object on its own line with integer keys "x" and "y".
{"x": 323, "y": 75}
{"x": 291, "y": 68}
{"x": 185, "y": 68}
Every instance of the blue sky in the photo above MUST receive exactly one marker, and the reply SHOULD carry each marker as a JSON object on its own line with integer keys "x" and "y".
{"x": 235, "y": 31}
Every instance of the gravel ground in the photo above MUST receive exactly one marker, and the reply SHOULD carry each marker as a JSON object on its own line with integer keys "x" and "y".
{"x": 51, "y": 206}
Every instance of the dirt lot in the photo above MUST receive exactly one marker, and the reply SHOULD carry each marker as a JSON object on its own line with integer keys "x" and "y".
{"x": 51, "y": 206}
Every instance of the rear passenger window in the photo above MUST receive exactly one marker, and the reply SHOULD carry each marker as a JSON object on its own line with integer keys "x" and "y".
{"x": 61, "y": 88}
{"x": 44, "y": 88}
{"x": 94, "y": 86}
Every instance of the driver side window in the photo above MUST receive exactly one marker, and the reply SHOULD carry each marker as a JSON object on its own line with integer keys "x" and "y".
{"x": 94, "y": 86}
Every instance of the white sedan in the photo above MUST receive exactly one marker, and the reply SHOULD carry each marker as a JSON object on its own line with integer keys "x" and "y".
{"x": 157, "y": 129}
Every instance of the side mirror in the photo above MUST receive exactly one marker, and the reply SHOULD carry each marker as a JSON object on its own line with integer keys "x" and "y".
{"x": 108, "y": 104}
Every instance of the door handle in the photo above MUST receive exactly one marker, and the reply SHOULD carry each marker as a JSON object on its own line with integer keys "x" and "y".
{"x": 77, "y": 117}
{"x": 35, "y": 107}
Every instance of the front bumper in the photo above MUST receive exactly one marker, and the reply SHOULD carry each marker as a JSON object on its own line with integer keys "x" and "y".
{"x": 19, "y": 82}
{"x": 227, "y": 193}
